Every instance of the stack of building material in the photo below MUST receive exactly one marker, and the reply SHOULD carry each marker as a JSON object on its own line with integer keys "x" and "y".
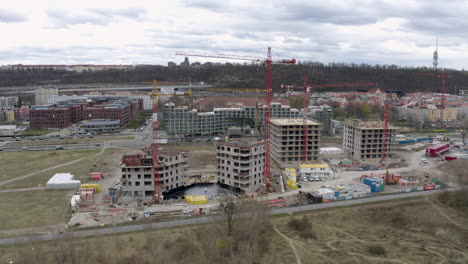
{"x": 63, "y": 181}
{"x": 87, "y": 195}
{"x": 291, "y": 176}
{"x": 376, "y": 184}
{"x": 96, "y": 187}
{"x": 409, "y": 182}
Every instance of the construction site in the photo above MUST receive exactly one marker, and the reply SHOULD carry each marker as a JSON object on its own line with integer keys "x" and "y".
{"x": 277, "y": 158}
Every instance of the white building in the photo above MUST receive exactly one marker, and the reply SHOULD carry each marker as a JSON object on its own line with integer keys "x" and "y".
{"x": 8, "y": 130}
{"x": 323, "y": 171}
{"x": 8, "y": 101}
{"x": 42, "y": 95}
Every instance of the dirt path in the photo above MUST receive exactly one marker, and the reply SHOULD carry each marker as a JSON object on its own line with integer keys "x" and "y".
{"x": 298, "y": 259}
{"x": 53, "y": 167}
{"x": 446, "y": 216}
{"x": 23, "y": 189}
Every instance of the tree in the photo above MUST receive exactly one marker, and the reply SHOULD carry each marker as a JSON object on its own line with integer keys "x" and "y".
{"x": 464, "y": 129}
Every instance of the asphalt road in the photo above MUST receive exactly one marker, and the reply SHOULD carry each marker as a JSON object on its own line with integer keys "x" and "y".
{"x": 202, "y": 220}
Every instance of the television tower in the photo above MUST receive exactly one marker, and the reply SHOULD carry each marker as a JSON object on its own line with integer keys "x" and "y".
{"x": 435, "y": 56}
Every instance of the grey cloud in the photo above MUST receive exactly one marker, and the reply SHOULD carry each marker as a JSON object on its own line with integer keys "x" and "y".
{"x": 212, "y": 5}
{"x": 11, "y": 17}
{"x": 63, "y": 18}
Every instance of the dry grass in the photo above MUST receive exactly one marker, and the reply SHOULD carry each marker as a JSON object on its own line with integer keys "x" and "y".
{"x": 15, "y": 164}
{"x": 32, "y": 208}
{"x": 69, "y": 141}
{"x": 404, "y": 232}
{"x": 81, "y": 170}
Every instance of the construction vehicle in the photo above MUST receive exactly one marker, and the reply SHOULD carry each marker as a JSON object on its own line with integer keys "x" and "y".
{"x": 390, "y": 179}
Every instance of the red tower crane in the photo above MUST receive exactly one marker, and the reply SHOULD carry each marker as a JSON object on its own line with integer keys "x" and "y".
{"x": 385, "y": 132}
{"x": 306, "y": 88}
{"x": 154, "y": 144}
{"x": 444, "y": 77}
{"x": 268, "y": 87}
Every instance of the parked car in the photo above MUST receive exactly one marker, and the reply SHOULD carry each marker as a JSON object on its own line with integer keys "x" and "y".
{"x": 424, "y": 160}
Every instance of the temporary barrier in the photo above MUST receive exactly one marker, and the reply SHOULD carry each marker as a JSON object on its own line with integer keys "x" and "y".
{"x": 196, "y": 199}
{"x": 429, "y": 187}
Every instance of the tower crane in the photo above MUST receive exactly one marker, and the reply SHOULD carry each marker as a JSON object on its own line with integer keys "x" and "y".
{"x": 268, "y": 79}
{"x": 306, "y": 89}
{"x": 154, "y": 144}
{"x": 444, "y": 77}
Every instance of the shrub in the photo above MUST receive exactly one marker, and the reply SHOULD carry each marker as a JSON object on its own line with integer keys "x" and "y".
{"x": 377, "y": 250}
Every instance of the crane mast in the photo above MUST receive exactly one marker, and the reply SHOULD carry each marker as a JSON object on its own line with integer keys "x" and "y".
{"x": 268, "y": 89}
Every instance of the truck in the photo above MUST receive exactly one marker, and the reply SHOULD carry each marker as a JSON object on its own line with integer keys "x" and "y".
{"x": 435, "y": 150}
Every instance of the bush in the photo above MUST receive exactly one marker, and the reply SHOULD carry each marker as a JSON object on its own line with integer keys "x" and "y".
{"x": 302, "y": 226}
{"x": 377, "y": 250}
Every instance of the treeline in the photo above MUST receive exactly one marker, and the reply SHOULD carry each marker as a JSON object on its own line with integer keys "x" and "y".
{"x": 389, "y": 77}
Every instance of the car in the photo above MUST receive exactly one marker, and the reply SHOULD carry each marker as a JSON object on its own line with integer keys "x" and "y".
{"x": 59, "y": 147}
{"x": 316, "y": 178}
{"x": 1, "y": 149}
{"x": 98, "y": 145}
{"x": 305, "y": 179}
{"x": 424, "y": 160}
{"x": 24, "y": 148}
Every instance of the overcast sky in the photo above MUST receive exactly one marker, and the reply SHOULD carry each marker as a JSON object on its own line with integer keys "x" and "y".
{"x": 401, "y": 32}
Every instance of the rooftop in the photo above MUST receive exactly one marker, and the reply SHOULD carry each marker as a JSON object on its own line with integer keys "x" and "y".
{"x": 241, "y": 143}
{"x": 367, "y": 124}
{"x": 293, "y": 122}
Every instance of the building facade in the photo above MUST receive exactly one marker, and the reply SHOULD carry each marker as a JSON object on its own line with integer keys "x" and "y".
{"x": 363, "y": 141}
{"x": 42, "y": 94}
{"x": 138, "y": 173}
{"x": 9, "y": 101}
{"x": 147, "y": 103}
{"x": 65, "y": 113}
{"x": 428, "y": 113}
{"x": 101, "y": 126}
{"x": 241, "y": 164}
{"x": 182, "y": 121}
{"x": 322, "y": 114}
{"x": 286, "y": 142}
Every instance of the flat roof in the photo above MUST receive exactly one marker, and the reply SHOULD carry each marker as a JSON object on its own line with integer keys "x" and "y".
{"x": 314, "y": 166}
{"x": 357, "y": 123}
{"x": 293, "y": 122}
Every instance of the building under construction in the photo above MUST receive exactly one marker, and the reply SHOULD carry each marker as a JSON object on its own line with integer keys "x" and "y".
{"x": 287, "y": 141}
{"x": 138, "y": 174}
{"x": 363, "y": 140}
{"x": 241, "y": 164}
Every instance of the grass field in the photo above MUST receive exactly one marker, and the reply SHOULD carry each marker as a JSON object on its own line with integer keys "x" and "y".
{"x": 80, "y": 169}
{"x": 32, "y": 208}
{"x": 15, "y": 164}
{"x": 30, "y": 132}
{"x": 396, "y": 232}
{"x": 68, "y": 141}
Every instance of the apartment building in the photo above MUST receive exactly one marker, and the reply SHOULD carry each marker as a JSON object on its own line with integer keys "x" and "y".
{"x": 363, "y": 141}
{"x": 323, "y": 115}
{"x": 428, "y": 113}
{"x": 286, "y": 142}
{"x": 182, "y": 121}
{"x": 241, "y": 164}
{"x": 137, "y": 173}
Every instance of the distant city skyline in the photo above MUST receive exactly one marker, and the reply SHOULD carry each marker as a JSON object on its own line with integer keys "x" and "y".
{"x": 141, "y": 32}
